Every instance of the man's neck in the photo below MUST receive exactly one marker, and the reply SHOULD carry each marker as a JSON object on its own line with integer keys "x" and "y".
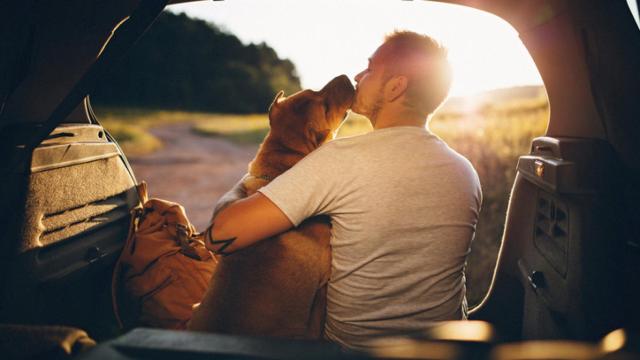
{"x": 393, "y": 117}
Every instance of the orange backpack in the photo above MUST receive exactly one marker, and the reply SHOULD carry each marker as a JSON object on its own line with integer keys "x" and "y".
{"x": 164, "y": 268}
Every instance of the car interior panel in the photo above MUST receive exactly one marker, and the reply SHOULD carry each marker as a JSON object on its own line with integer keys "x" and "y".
{"x": 568, "y": 237}
{"x": 73, "y": 195}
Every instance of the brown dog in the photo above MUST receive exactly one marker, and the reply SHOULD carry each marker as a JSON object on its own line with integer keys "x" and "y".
{"x": 278, "y": 286}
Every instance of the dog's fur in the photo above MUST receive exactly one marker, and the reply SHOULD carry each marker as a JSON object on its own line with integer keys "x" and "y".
{"x": 278, "y": 286}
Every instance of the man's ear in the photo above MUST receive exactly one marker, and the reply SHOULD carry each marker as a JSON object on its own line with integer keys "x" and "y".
{"x": 277, "y": 99}
{"x": 395, "y": 87}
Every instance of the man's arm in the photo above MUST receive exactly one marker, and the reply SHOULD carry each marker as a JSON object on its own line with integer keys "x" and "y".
{"x": 300, "y": 192}
{"x": 243, "y": 223}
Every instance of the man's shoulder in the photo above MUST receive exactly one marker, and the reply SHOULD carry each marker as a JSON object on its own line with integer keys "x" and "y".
{"x": 466, "y": 175}
{"x": 343, "y": 143}
{"x": 460, "y": 165}
{"x": 336, "y": 151}
{"x": 464, "y": 165}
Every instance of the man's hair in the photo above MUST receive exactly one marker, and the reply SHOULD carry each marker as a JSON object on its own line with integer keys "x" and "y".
{"x": 424, "y": 61}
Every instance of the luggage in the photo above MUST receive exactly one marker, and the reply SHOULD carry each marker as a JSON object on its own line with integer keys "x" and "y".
{"x": 164, "y": 268}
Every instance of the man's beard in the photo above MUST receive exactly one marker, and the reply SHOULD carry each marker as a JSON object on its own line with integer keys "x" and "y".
{"x": 372, "y": 111}
{"x": 375, "y": 108}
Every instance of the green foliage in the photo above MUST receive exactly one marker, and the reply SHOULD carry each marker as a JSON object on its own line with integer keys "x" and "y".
{"x": 492, "y": 141}
{"x": 245, "y": 129}
{"x": 183, "y": 63}
{"x": 133, "y": 140}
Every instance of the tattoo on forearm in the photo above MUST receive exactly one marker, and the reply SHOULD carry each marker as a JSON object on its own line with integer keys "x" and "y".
{"x": 222, "y": 243}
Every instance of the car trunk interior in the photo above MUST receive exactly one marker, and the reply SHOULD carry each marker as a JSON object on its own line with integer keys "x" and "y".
{"x": 569, "y": 250}
{"x": 570, "y": 254}
{"x": 66, "y": 201}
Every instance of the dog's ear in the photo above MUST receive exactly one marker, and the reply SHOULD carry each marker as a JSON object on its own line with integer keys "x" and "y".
{"x": 277, "y": 99}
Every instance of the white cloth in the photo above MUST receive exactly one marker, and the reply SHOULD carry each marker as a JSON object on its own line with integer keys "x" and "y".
{"x": 403, "y": 208}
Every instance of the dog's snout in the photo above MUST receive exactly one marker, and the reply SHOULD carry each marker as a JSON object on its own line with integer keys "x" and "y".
{"x": 344, "y": 81}
{"x": 344, "y": 78}
{"x": 342, "y": 88}
{"x": 338, "y": 93}
{"x": 339, "y": 82}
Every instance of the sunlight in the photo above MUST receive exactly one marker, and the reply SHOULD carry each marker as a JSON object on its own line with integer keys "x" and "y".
{"x": 326, "y": 38}
{"x": 633, "y": 7}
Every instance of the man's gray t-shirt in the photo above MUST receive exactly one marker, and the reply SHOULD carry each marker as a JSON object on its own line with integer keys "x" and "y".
{"x": 403, "y": 208}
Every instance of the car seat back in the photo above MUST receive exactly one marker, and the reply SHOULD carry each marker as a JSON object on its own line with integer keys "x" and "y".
{"x": 568, "y": 244}
{"x": 71, "y": 225}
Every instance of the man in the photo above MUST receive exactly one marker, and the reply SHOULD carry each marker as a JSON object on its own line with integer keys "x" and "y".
{"x": 403, "y": 205}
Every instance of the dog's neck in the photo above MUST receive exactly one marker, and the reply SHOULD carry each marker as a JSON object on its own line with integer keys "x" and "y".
{"x": 274, "y": 157}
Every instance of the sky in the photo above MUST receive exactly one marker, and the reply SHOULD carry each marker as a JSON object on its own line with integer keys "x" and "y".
{"x": 331, "y": 37}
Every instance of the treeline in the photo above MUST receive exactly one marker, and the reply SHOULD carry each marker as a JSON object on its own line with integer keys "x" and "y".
{"x": 184, "y": 63}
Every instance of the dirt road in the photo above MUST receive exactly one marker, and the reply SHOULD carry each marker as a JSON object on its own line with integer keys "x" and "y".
{"x": 192, "y": 170}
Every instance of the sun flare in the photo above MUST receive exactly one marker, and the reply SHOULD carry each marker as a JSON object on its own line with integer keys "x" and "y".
{"x": 326, "y": 38}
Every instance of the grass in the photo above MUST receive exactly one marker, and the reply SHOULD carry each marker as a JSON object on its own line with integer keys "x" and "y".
{"x": 491, "y": 136}
{"x": 130, "y": 126}
{"x": 134, "y": 140}
{"x": 492, "y": 140}
{"x": 253, "y": 128}
{"x": 244, "y": 129}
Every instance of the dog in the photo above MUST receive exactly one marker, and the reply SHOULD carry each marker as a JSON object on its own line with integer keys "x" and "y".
{"x": 277, "y": 287}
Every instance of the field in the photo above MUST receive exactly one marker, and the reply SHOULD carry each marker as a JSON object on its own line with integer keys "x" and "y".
{"x": 491, "y": 135}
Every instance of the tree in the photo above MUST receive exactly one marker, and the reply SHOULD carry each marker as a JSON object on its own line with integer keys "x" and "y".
{"x": 184, "y": 63}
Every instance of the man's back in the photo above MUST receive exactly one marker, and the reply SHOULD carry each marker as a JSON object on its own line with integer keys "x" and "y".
{"x": 403, "y": 206}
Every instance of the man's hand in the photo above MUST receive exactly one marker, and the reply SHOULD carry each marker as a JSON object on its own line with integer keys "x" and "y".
{"x": 243, "y": 223}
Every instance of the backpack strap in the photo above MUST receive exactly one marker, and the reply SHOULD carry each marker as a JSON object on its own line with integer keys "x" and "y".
{"x": 188, "y": 242}
{"x": 142, "y": 192}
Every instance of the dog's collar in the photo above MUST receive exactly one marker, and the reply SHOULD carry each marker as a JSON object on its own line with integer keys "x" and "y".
{"x": 261, "y": 177}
